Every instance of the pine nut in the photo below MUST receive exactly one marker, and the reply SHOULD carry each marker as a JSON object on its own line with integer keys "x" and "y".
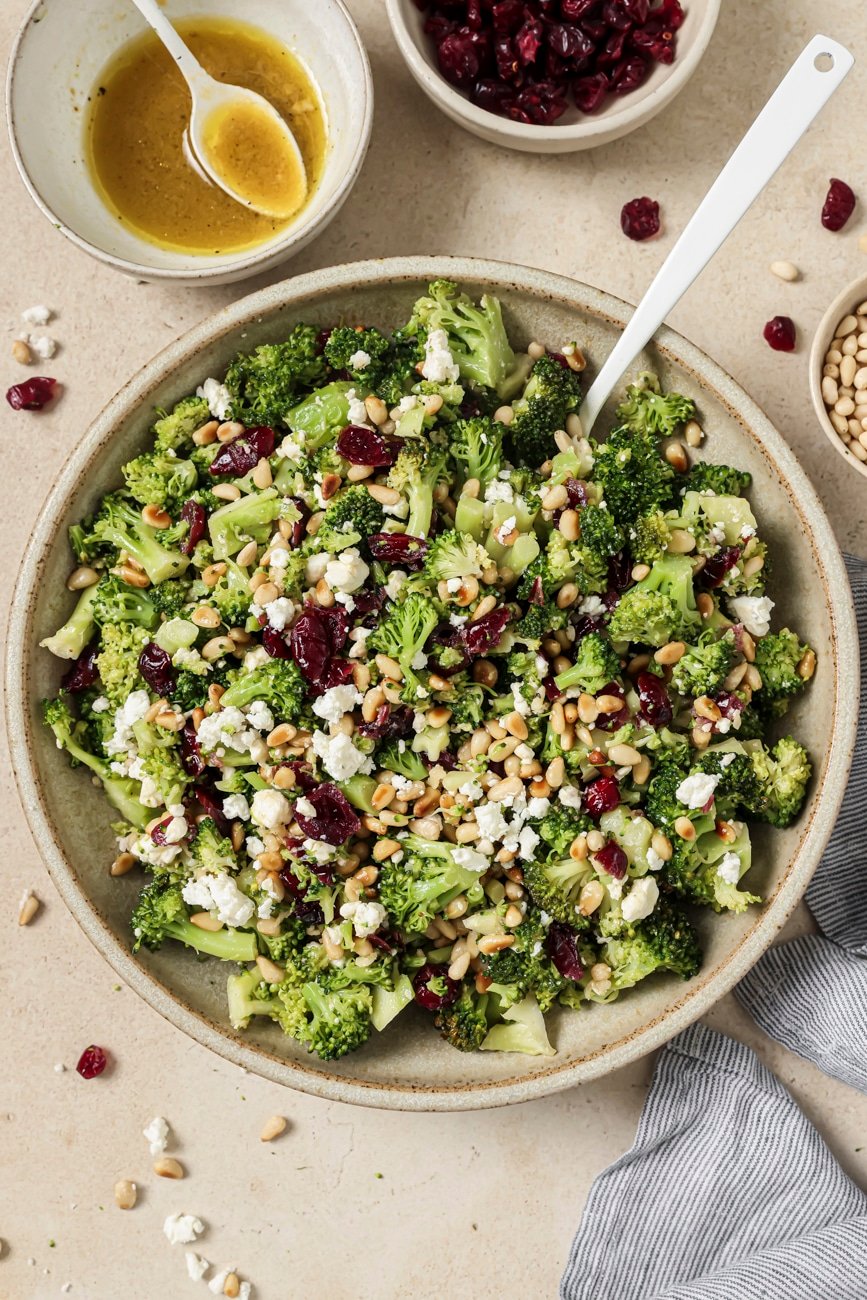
{"x": 485, "y": 605}
{"x": 382, "y": 796}
{"x": 555, "y": 498}
{"x": 168, "y": 1167}
{"x": 590, "y": 897}
{"x": 563, "y": 440}
{"x": 595, "y": 841}
{"x": 570, "y": 525}
{"x": 429, "y": 828}
{"x": 675, "y": 454}
{"x": 232, "y": 1286}
{"x": 133, "y": 577}
{"x": 704, "y": 604}
{"x": 753, "y": 678}
{"x": 785, "y": 270}
{"x": 205, "y": 921}
{"x": 268, "y": 925}
{"x": 641, "y": 771}
{"x": 515, "y": 725}
{"x": 217, "y": 647}
{"x": 125, "y": 1194}
{"x": 848, "y": 367}
{"x": 266, "y": 592}
{"x": 485, "y": 673}
{"x": 567, "y": 595}
{"x": 229, "y": 430}
{"x": 640, "y": 572}
{"x": 384, "y": 849}
{"x": 281, "y": 735}
{"x": 489, "y": 943}
{"x": 212, "y": 573}
{"x": 29, "y": 908}
{"x": 386, "y": 496}
{"x": 457, "y": 907}
{"x": 170, "y": 721}
{"x": 227, "y": 491}
{"x": 123, "y": 863}
{"x": 807, "y": 665}
{"x": 558, "y": 718}
{"x": 680, "y": 542}
{"x": 508, "y": 787}
{"x": 578, "y": 848}
{"x": 588, "y": 710}
{"x": 21, "y": 353}
{"x": 480, "y": 742}
{"x": 661, "y": 846}
{"x": 555, "y": 772}
{"x": 624, "y": 755}
{"x": 206, "y": 434}
{"x": 684, "y": 828}
{"x": 705, "y": 707}
{"x": 754, "y": 565}
{"x": 513, "y": 916}
{"x": 204, "y": 616}
{"x": 155, "y": 517}
{"x": 609, "y": 703}
{"x": 82, "y": 577}
{"x": 701, "y": 734}
{"x": 262, "y": 476}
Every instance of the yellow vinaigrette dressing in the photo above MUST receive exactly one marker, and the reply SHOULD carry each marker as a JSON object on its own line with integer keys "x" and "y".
{"x": 140, "y": 113}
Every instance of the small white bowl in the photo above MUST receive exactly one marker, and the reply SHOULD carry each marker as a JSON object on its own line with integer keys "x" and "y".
{"x": 66, "y": 44}
{"x": 843, "y": 305}
{"x": 573, "y": 131}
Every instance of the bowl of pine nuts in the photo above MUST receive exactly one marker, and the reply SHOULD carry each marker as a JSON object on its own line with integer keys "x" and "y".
{"x": 838, "y": 374}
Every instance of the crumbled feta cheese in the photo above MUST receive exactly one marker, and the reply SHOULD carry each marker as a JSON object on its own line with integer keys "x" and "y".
{"x": 316, "y": 566}
{"x": 100, "y": 704}
{"x": 615, "y": 887}
{"x": 155, "y": 855}
{"x": 132, "y": 710}
{"x": 507, "y": 527}
{"x": 270, "y": 809}
{"x": 491, "y": 822}
{"x": 747, "y": 532}
{"x": 197, "y": 1266}
{"x": 527, "y": 841}
{"x": 360, "y": 359}
{"x": 357, "y": 409}
{"x": 175, "y": 830}
{"x": 696, "y": 790}
{"x": 729, "y": 868}
{"x": 38, "y": 315}
{"x": 236, "y": 806}
{"x": 753, "y": 611}
{"x": 156, "y": 1134}
{"x": 366, "y": 917}
{"x": 454, "y": 584}
{"x": 232, "y": 907}
{"x": 641, "y": 899}
{"x": 292, "y": 447}
{"x": 472, "y": 790}
{"x": 305, "y": 807}
{"x": 570, "y": 796}
{"x": 522, "y": 704}
{"x": 727, "y": 759}
{"x": 347, "y": 572}
{"x": 458, "y": 620}
{"x": 339, "y": 756}
{"x": 439, "y": 364}
{"x": 592, "y": 606}
{"x": 43, "y": 346}
{"x": 723, "y": 726}
{"x": 537, "y": 807}
{"x": 182, "y": 1229}
{"x": 260, "y": 716}
{"x": 188, "y": 658}
{"x": 408, "y": 403}
{"x": 394, "y": 582}
{"x": 254, "y": 846}
{"x": 319, "y": 850}
{"x": 654, "y": 861}
{"x": 470, "y": 859}
{"x": 217, "y": 396}
{"x": 717, "y": 534}
{"x": 226, "y": 728}
{"x": 256, "y": 658}
{"x": 279, "y": 557}
{"x": 337, "y": 700}
{"x": 499, "y": 491}
{"x": 279, "y": 612}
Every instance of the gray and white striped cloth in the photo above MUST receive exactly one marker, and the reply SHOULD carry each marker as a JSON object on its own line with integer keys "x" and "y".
{"x": 728, "y": 1192}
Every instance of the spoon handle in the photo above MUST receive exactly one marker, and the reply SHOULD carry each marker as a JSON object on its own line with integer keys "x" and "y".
{"x": 193, "y": 72}
{"x": 803, "y": 92}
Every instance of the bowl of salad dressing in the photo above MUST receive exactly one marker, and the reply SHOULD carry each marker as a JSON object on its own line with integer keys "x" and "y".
{"x": 111, "y": 166}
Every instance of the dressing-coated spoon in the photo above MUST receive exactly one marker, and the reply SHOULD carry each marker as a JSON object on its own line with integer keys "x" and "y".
{"x": 803, "y": 92}
{"x": 238, "y": 139}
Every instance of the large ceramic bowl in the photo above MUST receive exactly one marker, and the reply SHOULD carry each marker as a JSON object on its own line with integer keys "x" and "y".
{"x": 410, "y": 1067}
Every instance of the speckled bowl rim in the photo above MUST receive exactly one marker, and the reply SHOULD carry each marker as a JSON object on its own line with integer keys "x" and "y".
{"x": 851, "y": 296}
{"x": 699, "y": 995}
{"x": 204, "y": 271}
{"x": 628, "y": 118}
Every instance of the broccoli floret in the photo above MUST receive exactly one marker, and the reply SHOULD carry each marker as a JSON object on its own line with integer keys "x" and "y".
{"x": 556, "y": 887}
{"x": 476, "y": 445}
{"x": 522, "y": 1030}
{"x": 635, "y": 479}
{"x": 278, "y": 683}
{"x": 212, "y": 850}
{"x": 232, "y": 596}
{"x": 700, "y": 870}
{"x": 455, "y": 555}
{"x": 403, "y": 632}
{"x": 339, "y": 1019}
{"x": 352, "y": 511}
{"x": 660, "y": 608}
{"x": 69, "y": 641}
{"x": 739, "y": 788}
{"x": 647, "y": 410}
{"x": 72, "y": 736}
{"x": 476, "y": 336}
{"x": 563, "y": 562}
{"x": 777, "y": 657}
{"x": 704, "y": 666}
{"x": 415, "y": 474}
{"x": 552, "y": 393}
{"x": 265, "y": 384}
{"x": 524, "y": 672}
{"x": 170, "y": 598}
{"x": 176, "y": 429}
{"x": 784, "y": 773}
{"x": 161, "y": 914}
{"x": 118, "y": 603}
{"x": 464, "y": 1024}
{"x": 601, "y": 535}
{"x": 163, "y": 766}
{"x": 721, "y": 479}
{"x": 649, "y": 538}
{"x": 595, "y": 665}
{"x": 665, "y": 941}
{"x": 190, "y": 690}
{"x": 248, "y": 995}
{"x": 405, "y": 762}
{"x": 416, "y": 889}
{"x": 160, "y": 479}
{"x": 250, "y": 518}
{"x": 117, "y": 661}
{"x": 344, "y": 343}
{"x": 526, "y": 966}
{"x": 119, "y": 527}
{"x": 539, "y": 620}
{"x": 468, "y": 706}
{"x": 559, "y": 827}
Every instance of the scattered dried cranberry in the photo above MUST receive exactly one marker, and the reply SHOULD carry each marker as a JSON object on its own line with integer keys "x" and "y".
{"x": 335, "y": 819}
{"x": 318, "y": 635}
{"x": 31, "y": 394}
{"x": 426, "y": 997}
{"x": 780, "y": 334}
{"x": 482, "y": 635}
{"x": 361, "y": 446}
{"x": 839, "y": 205}
{"x": 155, "y": 666}
{"x": 83, "y": 672}
{"x": 600, "y": 796}
{"x": 197, "y": 517}
{"x": 398, "y": 548}
{"x": 717, "y": 566}
{"x": 243, "y": 453}
{"x": 391, "y": 723}
{"x": 92, "y": 1062}
{"x": 562, "y": 947}
{"x": 655, "y": 706}
{"x": 276, "y": 643}
{"x": 211, "y": 804}
{"x": 639, "y": 219}
{"x": 612, "y": 859}
{"x": 191, "y": 751}
{"x": 576, "y": 490}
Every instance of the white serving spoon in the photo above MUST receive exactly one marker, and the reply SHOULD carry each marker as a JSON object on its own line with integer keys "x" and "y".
{"x": 803, "y": 92}
{"x": 218, "y": 109}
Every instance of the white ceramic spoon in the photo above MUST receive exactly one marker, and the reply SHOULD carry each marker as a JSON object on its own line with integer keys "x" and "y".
{"x": 803, "y": 92}
{"x": 211, "y": 97}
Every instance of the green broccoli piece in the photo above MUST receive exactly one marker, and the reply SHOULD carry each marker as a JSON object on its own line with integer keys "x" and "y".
{"x": 403, "y": 632}
{"x": 477, "y": 337}
{"x": 343, "y": 344}
{"x": 556, "y": 886}
{"x": 70, "y": 640}
{"x": 464, "y": 1024}
{"x": 250, "y": 518}
{"x": 649, "y": 537}
{"x": 231, "y": 596}
{"x": 170, "y": 598}
{"x": 415, "y": 474}
{"x": 777, "y": 658}
{"x": 248, "y": 995}
{"x": 119, "y": 527}
{"x": 117, "y": 661}
{"x": 476, "y": 446}
{"x": 601, "y": 535}
{"x": 784, "y": 773}
{"x": 596, "y": 664}
{"x": 647, "y": 410}
{"x": 522, "y": 1030}
{"x": 453, "y": 555}
{"x": 416, "y": 889}
{"x": 559, "y": 827}
{"x": 468, "y": 708}
{"x": 664, "y": 941}
{"x": 71, "y": 735}
{"x": 162, "y": 764}
{"x": 278, "y": 683}
{"x": 563, "y": 562}
{"x": 635, "y": 479}
{"x": 352, "y": 511}
{"x": 403, "y": 761}
{"x": 161, "y": 479}
{"x": 721, "y": 479}
{"x": 526, "y": 966}
{"x": 552, "y": 393}
{"x": 539, "y": 620}
{"x": 118, "y": 603}
{"x": 704, "y": 666}
{"x": 212, "y": 850}
{"x": 177, "y": 428}
{"x": 660, "y": 608}
{"x": 190, "y": 690}
{"x": 161, "y": 914}
{"x": 523, "y": 669}
{"x": 340, "y": 1019}
{"x": 264, "y": 384}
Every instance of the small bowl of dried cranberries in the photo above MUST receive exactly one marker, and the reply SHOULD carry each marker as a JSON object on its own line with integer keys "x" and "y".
{"x": 552, "y": 76}
{"x": 838, "y": 373}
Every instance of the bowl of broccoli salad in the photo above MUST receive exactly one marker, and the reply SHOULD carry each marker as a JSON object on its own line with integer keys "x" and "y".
{"x": 421, "y": 718}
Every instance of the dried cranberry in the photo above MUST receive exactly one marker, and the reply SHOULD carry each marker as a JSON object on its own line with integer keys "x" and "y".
{"x": 31, "y": 394}
{"x": 83, "y": 672}
{"x": 275, "y": 643}
{"x": 568, "y": 41}
{"x": 494, "y": 97}
{"x": 561, "y": 945}
{"x": 299, "y": 525}
{"x": 612, "y": 51}
{"x": 729, "y": 705}
{"x": 528, "y": 40}
{"x": 576, "y": 490}
{"x": 337, "y": 673}
{"x": 655, "y": 706}
{"x": 537, "y": 592}
{"x": 335, "y": 819}
{"x": 191, "y": 751}
{"x": 507, "y": 15}
{"x": 717, "y": 566}
{"x": 391, "y": 722}
{"x": 587, "y": 623}
{"x": 780, "y": 334}
{"x": 427, "y": 997}
{"x": 398, "y": 548}
{"x": 589, "y": 92}
{"x": 92, "y": 1062}
{"x": 671, "y": 13}
{"x": 458, "y": 59}
{"x": 361, "y": 446}
{"x": 839, "y": 205}
{"x": 628, "y": 75}
{"x": 318, "y": 635}
{"x": 243, "y": 453}
{"x": 612, "y": 859}
{"x": 639, "y": 219}
{"x": 387, "y": 940}
{"x": 155, "y": 666}
{"x": 211, "y": 804}
{"x": 619, "y": 574}
{"x": 600, "y": 796}
{"x": 552, "y": 690}
{"x": 304, "y": 778}
{"x": 654, "y": 41}
{"x": 197, "y": 517}
{"x": 158, "y": 832}
{"x": 576, "y": 9}
{"x": 482, "y": 635}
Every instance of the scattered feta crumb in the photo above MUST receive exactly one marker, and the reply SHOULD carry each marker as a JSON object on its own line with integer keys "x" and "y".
{"x": 260, "y": 716}
{"x": 59, "y": 1068}
{"x": 156, "y": 1135}
{"x": 641, "y": 899}
{"x": 219, "y": 893}
{"x": 394, "y": 582}
{"x": 499, "y": 491}
{"x": 269, "y": 809}
{"x": 727, "y": 759}
{"x": 507, "y": 527}
{"x": 182, "y": 1229}
{"x": 38, "y": 315}
{"x": 337, "y": 700}
{"x": 357, "y": 410}
{"x": 592, "y": 606}
{"x": 366, "y": 917}
{"x": 339, "y": 756}
{"x": 236, "y": 807}
{"x": 729, "y": 868}
{"x": 470, "y": 859}
{"x": 570, "y": 796}
{"x": 439, "y": 364}
{"x": 347, "y": 571}
{"x": 753, "y": 611}
{"x": 360, "y": 359}
{"x": 42, "y": 345}
{"x": 654, "y": 861}
{"x": 217, "y": 396}
{"x": 197, "y": 1265}
{"x": 279, "y": 612}
{"x": 696, "y": 790}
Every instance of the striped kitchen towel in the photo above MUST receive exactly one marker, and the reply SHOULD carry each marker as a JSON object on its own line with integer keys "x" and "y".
{"x": 728, "y": 1193}
{"x": 811, "y": 994}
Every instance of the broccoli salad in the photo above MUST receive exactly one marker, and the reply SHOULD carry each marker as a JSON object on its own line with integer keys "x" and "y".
{"x": 402, "y": 690}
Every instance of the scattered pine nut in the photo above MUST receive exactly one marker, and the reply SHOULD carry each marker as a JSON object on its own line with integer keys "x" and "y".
{"x": 785, "y": 271}
{"x": 21, "y": 353}
{"x": 28, "y": 908}
{"x": 168, "y": 1167}
{"x": 125, "y": 1194}
{"x": 273, "y": 1128}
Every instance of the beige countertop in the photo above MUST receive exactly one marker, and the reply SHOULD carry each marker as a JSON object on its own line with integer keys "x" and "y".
{"x": 354, "y": 1201}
